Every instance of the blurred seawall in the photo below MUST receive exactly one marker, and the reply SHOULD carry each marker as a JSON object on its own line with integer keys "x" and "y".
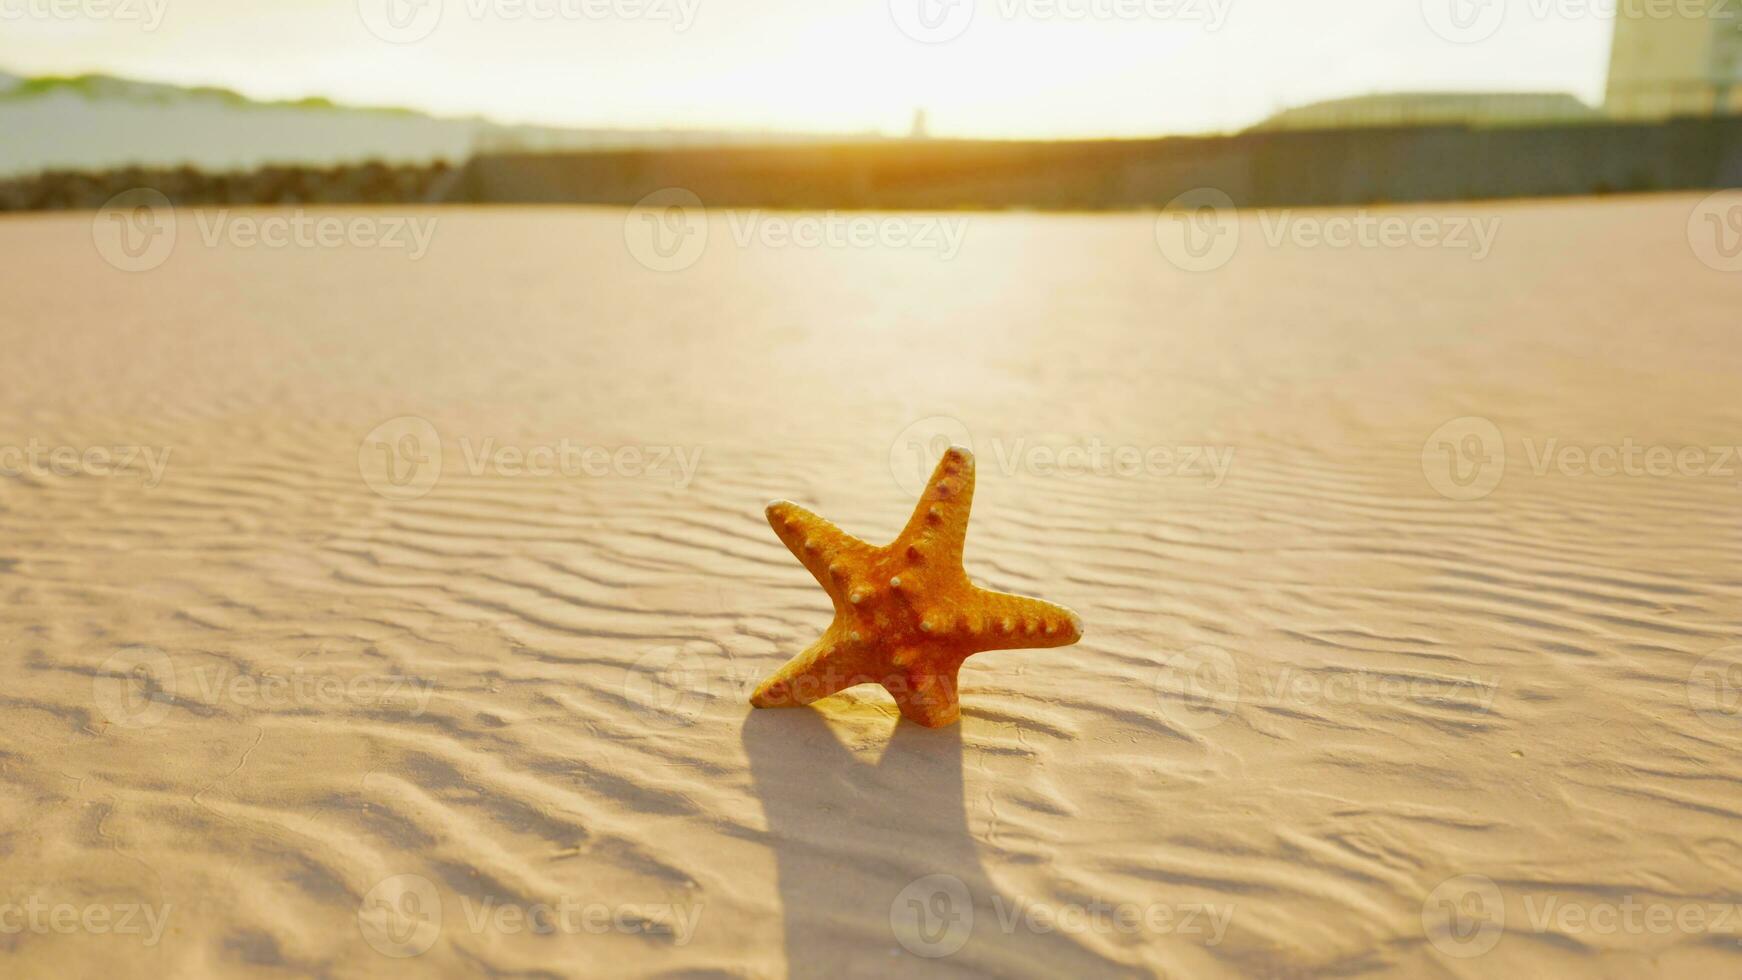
{"x": 1256, "y": 169}
{"x": 1328, "y": 167}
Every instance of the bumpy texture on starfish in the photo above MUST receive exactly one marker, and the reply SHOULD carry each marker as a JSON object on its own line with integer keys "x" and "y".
{"x": 906, "y": 615}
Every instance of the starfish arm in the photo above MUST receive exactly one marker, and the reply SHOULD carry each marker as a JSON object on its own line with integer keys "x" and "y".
{"x": 927, "y": 697}
{"x": 939, "y": 526}
{"x": 1001, "y": 621}
{"x": 826, "y": 550}
{"x": 824, "y": 668}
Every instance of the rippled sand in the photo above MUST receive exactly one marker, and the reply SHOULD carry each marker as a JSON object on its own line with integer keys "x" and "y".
{"x": 310, "y": 720}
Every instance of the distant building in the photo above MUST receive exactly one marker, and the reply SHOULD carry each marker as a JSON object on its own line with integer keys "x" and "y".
{"x": 1434, "y": 109}
{"x": 1667, "y": 64}
{"x": 919, "y": 130}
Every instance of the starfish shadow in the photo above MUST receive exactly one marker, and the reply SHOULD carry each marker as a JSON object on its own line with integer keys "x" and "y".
{"x": 849, "y": 837}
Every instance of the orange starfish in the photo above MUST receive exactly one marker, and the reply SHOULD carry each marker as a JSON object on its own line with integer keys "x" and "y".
{"x": 906, "y": 615}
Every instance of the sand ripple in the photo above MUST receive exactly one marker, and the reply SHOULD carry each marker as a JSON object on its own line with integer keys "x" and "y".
{"x": 1312, "y": 690}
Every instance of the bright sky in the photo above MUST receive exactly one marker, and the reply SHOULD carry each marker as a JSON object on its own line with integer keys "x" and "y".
{"x": 980, "y": 67}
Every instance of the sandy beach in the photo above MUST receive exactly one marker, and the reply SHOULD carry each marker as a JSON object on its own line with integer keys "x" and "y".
{"x": 375, "y": 610}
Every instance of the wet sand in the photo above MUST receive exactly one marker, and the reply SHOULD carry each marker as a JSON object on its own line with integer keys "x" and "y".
{"x": 417, "y": 633}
